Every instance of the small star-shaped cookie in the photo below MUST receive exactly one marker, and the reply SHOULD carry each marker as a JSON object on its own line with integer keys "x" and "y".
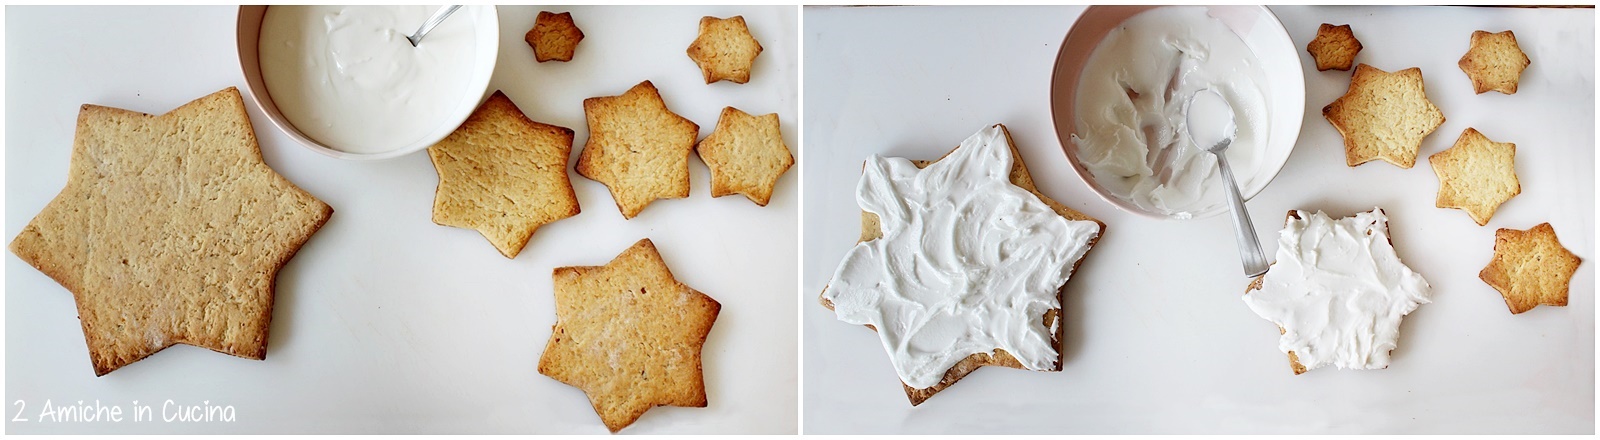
{"x": 637, "y": 147}
{"x": 503, "y": 175}
{"x": 629, "y": 335}
{"x": 746, "y": 155}
{"x": 1530, "y": 268}
{"x": 725, "y": 50}
{"x": 1476, "y": 175}
{"x": 1335, "y": 47}
{"x": 171, "y": 230}
{"x": 1494, "y": 62}
{"x": 554, "y": 37}
{"x": 1383, "y": 116}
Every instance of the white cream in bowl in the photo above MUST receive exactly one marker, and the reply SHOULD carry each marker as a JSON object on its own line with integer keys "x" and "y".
{"x": 1130, "y": 111}
{"x": 346, "y": 77}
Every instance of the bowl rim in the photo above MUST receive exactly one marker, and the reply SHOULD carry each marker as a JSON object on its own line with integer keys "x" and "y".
{"x": 247, "y": 26}
{"x": 1065, "y": 129}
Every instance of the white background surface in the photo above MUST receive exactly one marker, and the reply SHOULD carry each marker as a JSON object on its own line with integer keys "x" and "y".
{"x": 386, "y": 322}
{"x": 1157, "y": 338}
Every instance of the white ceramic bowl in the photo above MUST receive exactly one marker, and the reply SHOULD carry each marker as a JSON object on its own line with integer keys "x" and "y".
{"x": 487, "y": 25}
{"x": 1261, "y": 32}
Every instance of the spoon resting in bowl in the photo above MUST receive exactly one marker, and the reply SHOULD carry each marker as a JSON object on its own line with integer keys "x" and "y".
{"x": 1209, "y": 120}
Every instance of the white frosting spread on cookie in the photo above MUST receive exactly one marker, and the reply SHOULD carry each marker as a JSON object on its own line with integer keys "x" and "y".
{"x": 1130, "y": 110}
{"x": 1338, "y": 290}
{"x": 968, "y": 261}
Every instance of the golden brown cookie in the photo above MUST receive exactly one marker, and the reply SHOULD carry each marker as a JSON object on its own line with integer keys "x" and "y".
{"x": 171, "y": 230}
{"x": 746, "y": 155}
{"x": 629, "y": 335}
{"x": 637, "y": 147}
{"x": 503, "y": 175}
{"x": 725, "y": 50}
{"x": 1494, "y": 62}
{"x": 1476, "y": 175}
{"x": 1383, "y": 116}
{"x": 1530, "y": 268}
{"x": 871, "y": 230}
{"x": 554, "y": 37}
{"x": 1335, "y": 47}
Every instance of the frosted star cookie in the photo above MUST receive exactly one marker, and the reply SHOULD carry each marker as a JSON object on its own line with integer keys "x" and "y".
{"x": 1494, "y": 62}
{"x": 1530, "y": 268}
{"x": 629, "y": 335}
{"x": 503, "y": 175}
{"x": 977, "y": 307}
{"x": 171, "y": 230}
{"x": 724, "y": 50}
{"x": 1335, "y": 47}
{"x": 1383, "y": 116}
{"x": 637, "y": 147}
{"x": 1476, "y": 175}
{"x": 746, "y": 155}
{"x": 1337, "y": 291}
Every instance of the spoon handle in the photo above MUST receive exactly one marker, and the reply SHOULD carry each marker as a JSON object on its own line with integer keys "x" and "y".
{"x": 438, "y": 17}
{"x": 1255, "y": 262}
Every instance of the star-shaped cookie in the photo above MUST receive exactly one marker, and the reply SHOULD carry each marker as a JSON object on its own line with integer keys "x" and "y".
{"x": 1335, "y": 47}
{"x": 724, "y": 50}
{"x": 637, "y": 148}
{"x": 1530, "y": 268}
{"x": 1494, "y": 62}
{"x": 171, "y": 230}
{"x": 746, "y": 155}
{"x": 503, "y": 175}
{"x": 554, "y": 37}
{"x": 872, "y": 229}
{"x": 1476, "y": 175}
{"x": 629, "y": 335}
{"x": 1383, "y": 116}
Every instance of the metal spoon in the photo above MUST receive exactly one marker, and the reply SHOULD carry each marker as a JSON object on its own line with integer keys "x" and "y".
{"x": 438, "y": 16}
{"x": 1209, "y": 121}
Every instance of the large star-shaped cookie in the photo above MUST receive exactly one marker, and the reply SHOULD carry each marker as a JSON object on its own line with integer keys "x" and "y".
{"x": 1383, "y": 116}
{"x": 724, "y": 50}
{"x": 1476, "y": 175}
{"x": 872, "y": 229}
{"x": 171, "y": 230}
{"x": 1494, "y": 62}
{"x": 746, "y": 155}
{"x": 1530, "y": 268}
{"x": 637, "y": 148}
{"x": 629, "y": 335}
{"x": 503, "y": 175}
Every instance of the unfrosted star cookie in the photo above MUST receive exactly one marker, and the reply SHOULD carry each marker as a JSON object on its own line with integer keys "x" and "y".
{"x": 1530, "y": 268}
{"x": 724, "y": 50}
{"x": 629, "y": 335}
{"x": 1494, "y": 62}
{"x": 171, "y": 230}
{"x": 637, "y": 147}
{"x": 503, "y": 175}
{"x": 1057, "y": 240}
{"x": 746, "y": 155}
{"x": 1337, "y": 292}
{"x": 1335, "y": 47}
{"x": 1383, "y": 116}
{"x": 554, "y": 37}
{"x": 1476, "y": 175}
